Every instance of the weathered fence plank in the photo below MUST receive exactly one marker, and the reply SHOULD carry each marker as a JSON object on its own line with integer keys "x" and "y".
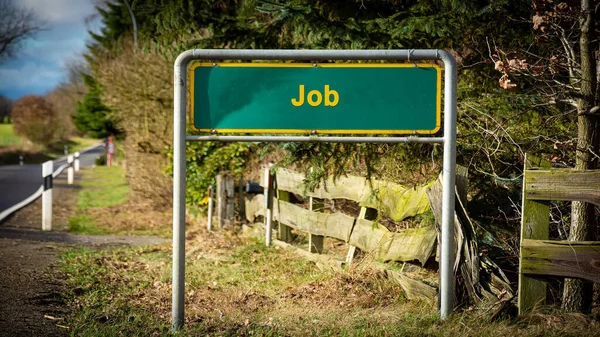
{"x": 408, "y": 245}
{"x": 365, "y": 213}
{"x": 569, "y": 185}
{"x": 411, "y": 244}
{"x": 398, "y": 201}
{"x": 414, "y": 290}
{"x": 255, "y": 207}
{"x": 335, "y": 225}
{"x": 561, "y": 258}
{"x": 351, "y": 188}
{"x": 535, "y": 221}
{"x": 369, "y": 236}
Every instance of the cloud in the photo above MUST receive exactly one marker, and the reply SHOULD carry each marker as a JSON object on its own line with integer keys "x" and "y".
{"x": 59, "y": 11}
{"x": 30, "y": 76}
{"x": 54, "y": 46}
{"x": 40, "y": 62}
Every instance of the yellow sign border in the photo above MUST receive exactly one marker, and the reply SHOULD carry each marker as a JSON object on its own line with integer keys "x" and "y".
{"x": 321, "y": 65}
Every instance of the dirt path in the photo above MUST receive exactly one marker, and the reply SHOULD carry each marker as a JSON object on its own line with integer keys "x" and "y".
{"x": 29, "y": 295}
{"x": 30, "y": 286}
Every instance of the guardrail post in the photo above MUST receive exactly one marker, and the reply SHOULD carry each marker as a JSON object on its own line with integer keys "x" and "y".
{"x": 47, "y": 169}
{"x": 76, "y": 161}
{"x": 21, "y": 160}
{"x": 211, "y": 193}
{"x": 70, "y": 170}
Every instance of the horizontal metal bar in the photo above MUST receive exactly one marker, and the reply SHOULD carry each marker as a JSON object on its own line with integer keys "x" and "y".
{"x": 314, "y": 55}
{"x": 314, "y": 139}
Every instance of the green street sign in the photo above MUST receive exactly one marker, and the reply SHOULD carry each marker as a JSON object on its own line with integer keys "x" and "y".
{"x": 326, "y": 98}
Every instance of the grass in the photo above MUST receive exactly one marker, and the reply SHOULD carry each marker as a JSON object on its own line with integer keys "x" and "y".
{"x": 238, "y": 287}
{"x": 13, "y": 146}
{"x": 103, "y": 187}
{"x": 80, "y": 143}
{"x": 7, "y": 136}
{"x": 73, "y": 145}
{"x": 103, "y": 207}
{"x": 82, "y": 224}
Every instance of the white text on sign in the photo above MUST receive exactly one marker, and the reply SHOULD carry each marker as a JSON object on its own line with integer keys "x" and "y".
{"x": 315, "y": 98}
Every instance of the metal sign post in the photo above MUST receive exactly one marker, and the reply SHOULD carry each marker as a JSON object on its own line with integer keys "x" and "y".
{"x": 312, "y": 98}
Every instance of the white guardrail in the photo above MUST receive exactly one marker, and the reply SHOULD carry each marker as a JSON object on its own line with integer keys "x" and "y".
{"x": 40, "y": 190}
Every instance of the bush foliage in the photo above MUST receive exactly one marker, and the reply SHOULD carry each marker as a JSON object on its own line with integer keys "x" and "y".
{"x": 34, "y": 118}
{"x": 496, "y": 126}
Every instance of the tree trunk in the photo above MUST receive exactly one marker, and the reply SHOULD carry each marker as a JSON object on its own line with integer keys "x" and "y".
{"x": 577, "y": 294}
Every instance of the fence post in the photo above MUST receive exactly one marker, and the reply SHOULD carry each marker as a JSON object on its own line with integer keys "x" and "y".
{"x": 76, "y": 161}
{"x": 211, "y": 193}
{"x": 70, "y": 170}
{"x": 535, "y": 224}
{"x": 47, "y": 169}
{"x": 315, "y": 242}
{"x": 225, "y": 200}
{"x": 268, "y": 190}
{"x": 285, "y": 232}
{"x": 241, "y": 201}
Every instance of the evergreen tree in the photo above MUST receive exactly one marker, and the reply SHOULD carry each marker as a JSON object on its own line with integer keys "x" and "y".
{"x": 92, "y": 116}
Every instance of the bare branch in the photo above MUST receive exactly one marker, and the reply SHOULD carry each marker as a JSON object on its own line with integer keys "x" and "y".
{"x": 16, "y": 24}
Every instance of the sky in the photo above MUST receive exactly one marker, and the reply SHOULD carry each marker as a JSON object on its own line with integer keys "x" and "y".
{"x": 39, "y": 64}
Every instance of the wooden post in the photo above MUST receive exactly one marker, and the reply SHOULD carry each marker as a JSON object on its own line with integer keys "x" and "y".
{"x": 211, "y": 193}
{"x": 285, "y": 232}
{"x": 268, "y": 190}
{"x": 225, "y": 200}
{"x": 462, "y": 184}
{"x": 535, "y": 221}
{"x": 241, "y": 201}
{"x": 367, "y": 214}
{"x": 315, "y": 242}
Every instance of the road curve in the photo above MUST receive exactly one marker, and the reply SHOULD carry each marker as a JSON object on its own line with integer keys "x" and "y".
{"x": 19, "y": 182}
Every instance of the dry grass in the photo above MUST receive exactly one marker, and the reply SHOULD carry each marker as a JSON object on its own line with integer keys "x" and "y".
{"x": 132, "y": 218}
{"x": 236, "y": 286}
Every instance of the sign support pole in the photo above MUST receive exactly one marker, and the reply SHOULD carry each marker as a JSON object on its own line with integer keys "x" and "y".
{"x": 447, "y": 281}
{"x": 179, "y": 166}
{"x": 179, "y": 149}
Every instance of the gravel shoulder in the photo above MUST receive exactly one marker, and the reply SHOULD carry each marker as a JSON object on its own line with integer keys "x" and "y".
{"x": 31, "y": 303}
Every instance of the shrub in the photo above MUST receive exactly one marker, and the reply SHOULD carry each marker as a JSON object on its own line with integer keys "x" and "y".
{"x": 100, "y": 160}
{"x": 35, "y": 119}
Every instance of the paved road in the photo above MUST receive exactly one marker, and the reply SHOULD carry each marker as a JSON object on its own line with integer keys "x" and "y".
{"x": 19, "y": 182}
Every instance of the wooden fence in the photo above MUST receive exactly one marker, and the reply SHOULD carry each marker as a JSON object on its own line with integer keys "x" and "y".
{"x": 480, "y": 279}
{"x": 540, "y": 256}
{"x": 362, "y": 232}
